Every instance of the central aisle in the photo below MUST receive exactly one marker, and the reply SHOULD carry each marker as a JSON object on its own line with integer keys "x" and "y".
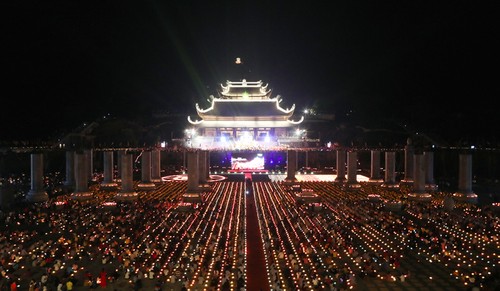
{"x": 256, "y": 263}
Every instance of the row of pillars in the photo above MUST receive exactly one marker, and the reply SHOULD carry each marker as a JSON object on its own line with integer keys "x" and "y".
{"x": 79, "y": 172}
{"x": 419, "y": 172}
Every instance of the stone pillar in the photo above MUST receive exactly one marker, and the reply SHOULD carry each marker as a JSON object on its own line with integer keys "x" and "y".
{"x": 156, "y": 165}
{"x": 430, "y": 184}
{"x": 119, "y": 155}
{"x": 37, "y": 192}
{"x": 352, "y": 169}
{"x": 291, "y": 166}
{"x": 340, "y": 166}
{"x": 204, "y": 169}
{"x": 193, "y": 172}
{"x": 419, "y": 193}
{"x": 409, "y": 152}
{"x": 108, "y": 182}
{"x": 296, "y": 161}
{"x": 146, "y": 182}
{"x": 375, "y": 176}
{"x": 390, "y": 170}
{"x": 127, "y": 192}
{"x": 82, "y": 177}
{"x": 70, "y": 170}
{"x": 89, "y": 160}
{"x": 207, "y": 161}
{"x": 465, "y": 192}
{"x": 184, "y": 160}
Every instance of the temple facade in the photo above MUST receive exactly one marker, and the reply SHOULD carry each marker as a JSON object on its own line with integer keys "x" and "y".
{"x": 244, "y": 114}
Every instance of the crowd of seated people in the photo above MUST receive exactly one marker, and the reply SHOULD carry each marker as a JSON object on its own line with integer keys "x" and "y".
{"x": 147, "y": 242}
{"x": 93, "y": 243}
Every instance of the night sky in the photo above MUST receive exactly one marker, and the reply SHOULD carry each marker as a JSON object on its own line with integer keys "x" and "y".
{"x": 427, "y": 63}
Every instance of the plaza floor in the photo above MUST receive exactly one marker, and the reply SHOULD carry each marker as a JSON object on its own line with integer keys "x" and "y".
{"x": 422, "y": 274}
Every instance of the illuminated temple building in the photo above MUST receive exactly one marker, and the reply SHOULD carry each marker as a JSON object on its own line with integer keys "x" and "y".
{"x": 244, "y": 114}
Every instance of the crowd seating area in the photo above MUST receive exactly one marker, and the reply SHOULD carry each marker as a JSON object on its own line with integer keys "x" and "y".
{"x": 350, "y": 243}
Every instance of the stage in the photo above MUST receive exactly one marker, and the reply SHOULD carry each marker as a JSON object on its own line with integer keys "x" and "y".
{"x": 272, "y": 177}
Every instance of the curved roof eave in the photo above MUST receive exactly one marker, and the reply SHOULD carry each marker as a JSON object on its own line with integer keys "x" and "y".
{"x": 290, "y": 110}
{"x": 224, "y": 88}
{"x": 265, "y": 92}
{"x": 296, "y": 122}
{"x": 194, "y": 122}
{"x": 201, "y": 111}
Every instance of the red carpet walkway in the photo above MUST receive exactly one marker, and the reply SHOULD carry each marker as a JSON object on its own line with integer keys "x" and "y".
{"x": 256, "y": 263}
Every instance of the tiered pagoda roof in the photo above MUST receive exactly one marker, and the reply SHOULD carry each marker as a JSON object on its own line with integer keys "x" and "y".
{"x": 245, "y": 104}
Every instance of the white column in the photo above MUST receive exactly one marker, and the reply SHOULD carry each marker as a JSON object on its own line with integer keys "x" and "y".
{"x": 156, "y": 165}
{"x": 193, "y": 171}
{"x": 419, "y": 180}
{"x": 202, "y": 167}
{"x": 352, "y": 169}
{"x": 429, "y": 171}
{"x": 375, "y": 167}
{"x": 146, "y": 182}
{"x": 70, "y": 169}
{"x": 127, "y": 192}
{"x": 89, "y": 161}
{"x": 108, "y": 182}
{"x": 204, "y": 170}
{"x": 82, "y": 177}
{"x": 340, "y": 166}
{"x": 119, "y": 155}
{"x": 465, "y": 179}
{"x": 37, "y": 192}
{"x": 409, "y": 152}
{"x": 291, "y": 165}
{"x": 390, "y": 170}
